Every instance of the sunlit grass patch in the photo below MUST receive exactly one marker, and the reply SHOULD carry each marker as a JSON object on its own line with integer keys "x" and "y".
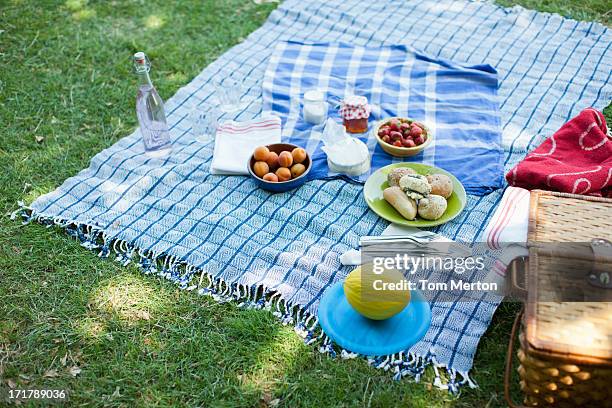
{"x": 90, "y": 328}
{"x": 273, "y": 362}
{"x": 130, "y": 298}
{"x": 31, "y": 193}
{"x": 79, "y": 9}
{"x": 154, "y": 21}
{"x": 84, "y": 14}
{"x": 177, "y": 77}
{"x": 75, "y": 5}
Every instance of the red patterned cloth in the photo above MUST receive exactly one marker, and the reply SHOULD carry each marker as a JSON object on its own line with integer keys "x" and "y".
{"x": 355, "y": 107}
{"x": 576, "y": 159}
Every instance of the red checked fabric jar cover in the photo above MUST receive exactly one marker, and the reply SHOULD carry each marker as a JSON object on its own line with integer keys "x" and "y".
{"x": 355, "y": 112}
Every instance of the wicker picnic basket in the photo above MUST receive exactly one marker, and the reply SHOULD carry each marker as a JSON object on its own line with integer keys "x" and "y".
{"x": 565, "y": 349}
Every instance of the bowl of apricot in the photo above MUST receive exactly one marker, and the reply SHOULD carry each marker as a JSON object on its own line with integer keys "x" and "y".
{"x": 279, "y": 167}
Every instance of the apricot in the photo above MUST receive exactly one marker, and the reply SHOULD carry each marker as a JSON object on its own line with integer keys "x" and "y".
{"x": 272, "y": 160}
{"x": 261, "y": 153}
{"x": 297, "y": 170}
{"x": 299, "y": 155}
{"x": 283, "y": 174}
{"x": 271, "y": 177}
{"x": 261, "y": 168}
{"x": 285, "y": 159}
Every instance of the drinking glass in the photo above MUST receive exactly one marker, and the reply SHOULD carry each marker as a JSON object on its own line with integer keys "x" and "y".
{"x": 229, "y": 92}
{"x": 204, "y": 122}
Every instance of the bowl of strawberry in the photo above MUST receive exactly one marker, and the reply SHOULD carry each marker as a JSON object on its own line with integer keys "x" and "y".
{"x": 403, "y": 137}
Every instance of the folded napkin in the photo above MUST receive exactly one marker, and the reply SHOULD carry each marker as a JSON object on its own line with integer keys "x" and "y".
{"x": 509, "y": 226}
{"x": 576, "y": 159}
{"x": 235, "y": 142}
{"x": 510, "y": 220}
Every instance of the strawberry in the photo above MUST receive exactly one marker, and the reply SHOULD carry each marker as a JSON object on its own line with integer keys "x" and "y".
{"x": 386, "y": 139}
{"x": 409, "y": 143}
{"x": 394, "y": 125}
{"x": 395, "y": 135}
{"x": 419, "y": 140}
{"x": 397, "y": 143}
{"x": 415, "y": 131}
{"x": 404, "y": 127}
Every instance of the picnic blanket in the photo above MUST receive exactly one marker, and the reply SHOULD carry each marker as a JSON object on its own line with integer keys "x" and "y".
{"x": 457, "y": 102}
{"x": 173, "y": 218}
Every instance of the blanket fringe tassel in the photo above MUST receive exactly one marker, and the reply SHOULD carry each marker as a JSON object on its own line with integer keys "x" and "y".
{"x": 189, "y": 278}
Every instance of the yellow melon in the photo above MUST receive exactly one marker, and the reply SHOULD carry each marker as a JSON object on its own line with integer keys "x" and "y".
{"x": 376, "y": 297}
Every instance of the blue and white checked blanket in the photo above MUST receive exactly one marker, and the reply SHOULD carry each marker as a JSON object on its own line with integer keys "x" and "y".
{"x": 458, "y": 103}
{"x": 174, "y": 211}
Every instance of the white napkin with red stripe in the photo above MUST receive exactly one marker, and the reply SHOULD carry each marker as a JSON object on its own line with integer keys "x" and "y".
{"x": 508, "y": 227}
{"x": 510, "y": 221}
{"x": 235, "y": 142}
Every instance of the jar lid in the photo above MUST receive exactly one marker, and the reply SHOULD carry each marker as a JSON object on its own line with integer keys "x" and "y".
{"x": 355, "y": 107}
{"x": 314, "y": 95}
{"x": 355, "y": 101}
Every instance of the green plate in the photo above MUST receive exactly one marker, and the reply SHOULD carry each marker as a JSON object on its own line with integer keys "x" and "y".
{"x": 377, "y": 182}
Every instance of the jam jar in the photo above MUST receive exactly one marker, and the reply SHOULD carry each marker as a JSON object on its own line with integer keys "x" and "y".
{"x": 355, "y": 112}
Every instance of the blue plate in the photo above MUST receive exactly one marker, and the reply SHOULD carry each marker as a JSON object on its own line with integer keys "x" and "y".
{"x": 361, "y": 335}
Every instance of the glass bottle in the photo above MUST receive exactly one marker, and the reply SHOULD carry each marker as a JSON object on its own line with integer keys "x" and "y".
{"x": 150, "y": 111}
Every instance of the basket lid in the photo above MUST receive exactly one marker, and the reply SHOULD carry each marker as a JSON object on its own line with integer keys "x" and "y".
{"x": 561, "y": 226}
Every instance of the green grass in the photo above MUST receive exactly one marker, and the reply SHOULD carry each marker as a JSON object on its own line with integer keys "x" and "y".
{"x": 138, "y": 340}
{"x": 589, "y": 10}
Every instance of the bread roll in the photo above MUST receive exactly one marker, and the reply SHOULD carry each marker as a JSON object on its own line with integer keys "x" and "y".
{"x": 441, "y": 185}
{"x": 432, "y": 207}
{"x": 395, "y": 175}
{"x": 401, "y": 202}
{"x": 415, "y": 186}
